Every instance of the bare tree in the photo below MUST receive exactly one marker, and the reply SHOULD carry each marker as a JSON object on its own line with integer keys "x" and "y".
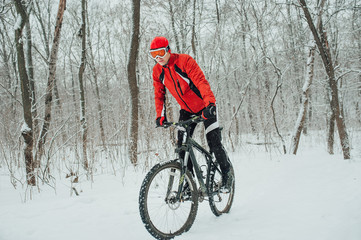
{"x": 305, "y": 100}
{"x": 27, "y": 129}
{"x": 172, "y": 16}
{"x": 95, "y": 76}
{"x": 278, "y": 88}
{"x": 51, "y": 77}
{"x": 322, "y": 45}
{"x": 300, "y": 122}
{"x": 357, "y": 38}
{"x": 193, "y": 30}
{"x": 133, "y": 84}
{"x": 30, "y": 69}
{"x": 83, "y": 121}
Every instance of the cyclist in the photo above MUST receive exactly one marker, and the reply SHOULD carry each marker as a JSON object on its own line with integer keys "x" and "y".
{"x": 184, "y": 79}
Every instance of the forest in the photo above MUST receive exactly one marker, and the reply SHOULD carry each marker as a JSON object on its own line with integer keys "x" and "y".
{"x": 76, "y": 88}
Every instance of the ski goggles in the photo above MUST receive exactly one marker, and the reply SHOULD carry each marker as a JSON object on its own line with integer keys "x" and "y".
{"x": 159, "y": 52}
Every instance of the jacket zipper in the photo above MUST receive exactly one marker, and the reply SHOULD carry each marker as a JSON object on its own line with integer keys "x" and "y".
{"x": 180, "y": 87}
{"x": 175, "y": 86}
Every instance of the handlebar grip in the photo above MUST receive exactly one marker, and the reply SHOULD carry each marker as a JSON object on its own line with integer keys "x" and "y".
{"x": 166, "y": 124}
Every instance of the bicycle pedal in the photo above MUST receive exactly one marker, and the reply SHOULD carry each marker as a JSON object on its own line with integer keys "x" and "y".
{"x": 224, "y": 190}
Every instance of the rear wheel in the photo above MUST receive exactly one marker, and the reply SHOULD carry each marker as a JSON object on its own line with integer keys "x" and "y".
{"x": 163, "y": 215}
{"x": 220, "y": 201}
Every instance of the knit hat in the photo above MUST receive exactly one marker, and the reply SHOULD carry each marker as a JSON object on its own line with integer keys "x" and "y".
{"x": 159, "y": 42}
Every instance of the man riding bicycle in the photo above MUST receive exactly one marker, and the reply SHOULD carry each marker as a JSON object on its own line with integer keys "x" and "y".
{"x": 184, "y": 79}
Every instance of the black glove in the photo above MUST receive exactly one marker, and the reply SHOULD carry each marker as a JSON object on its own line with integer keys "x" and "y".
{"x": 209, "y": 112}
{"x": 160, "y": 121}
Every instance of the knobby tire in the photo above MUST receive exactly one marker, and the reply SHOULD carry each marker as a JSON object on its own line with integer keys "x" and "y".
{"x": 158, "y": 213}
{"x": 219, "y": 201}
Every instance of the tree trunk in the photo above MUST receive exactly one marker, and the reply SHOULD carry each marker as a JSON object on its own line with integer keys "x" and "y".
{"x": 305, "y": 100}
{"x": 95, "y": 76}
{"x": 322, "y": 46}
{"x": 51, "y": 78}
{"x": 278, "y": 87}
{"x": 30, "y": 70}
{"x": 302, "y": 115}
{"x": 194, "y": 30}
{"x": 331, "y": 133}
{"x": 133, "y": 85}
{"x": 173, "y": 26}
{"x": 357, "y": 38}
{"x": 217, "y": 12}
{"x": 27, "y": 129}
{"x": 81, "y": 84}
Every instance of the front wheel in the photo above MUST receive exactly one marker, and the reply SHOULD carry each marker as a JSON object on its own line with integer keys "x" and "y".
{"x": 163, "y": 215}
{"x": 220, "y": 201}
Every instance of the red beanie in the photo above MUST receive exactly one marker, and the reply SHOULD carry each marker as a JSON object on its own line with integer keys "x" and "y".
{"x": 159, "y": 42}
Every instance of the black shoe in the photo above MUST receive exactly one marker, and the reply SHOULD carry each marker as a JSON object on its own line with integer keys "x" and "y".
{"x": 227, "y": 181}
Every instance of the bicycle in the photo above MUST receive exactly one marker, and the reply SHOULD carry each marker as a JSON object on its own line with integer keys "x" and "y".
{"x": 169, "y": 195}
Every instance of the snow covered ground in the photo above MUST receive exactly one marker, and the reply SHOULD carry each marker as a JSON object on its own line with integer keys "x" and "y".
{"x": 311, "y": 196}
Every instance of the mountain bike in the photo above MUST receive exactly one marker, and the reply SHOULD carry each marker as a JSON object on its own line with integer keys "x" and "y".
{"x": 169, "y": 195}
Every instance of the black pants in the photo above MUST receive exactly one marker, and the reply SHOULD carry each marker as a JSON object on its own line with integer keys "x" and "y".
{"x": 214, "y": 140}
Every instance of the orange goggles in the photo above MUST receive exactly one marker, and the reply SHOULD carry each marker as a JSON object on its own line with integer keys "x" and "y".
{"x": 159, "y": 52}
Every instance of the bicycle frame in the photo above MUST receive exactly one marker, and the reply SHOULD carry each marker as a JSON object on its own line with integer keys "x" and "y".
{"x": 188, "y": 145}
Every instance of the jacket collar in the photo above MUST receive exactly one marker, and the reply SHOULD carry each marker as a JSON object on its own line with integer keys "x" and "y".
{"x": 171, "y": 60}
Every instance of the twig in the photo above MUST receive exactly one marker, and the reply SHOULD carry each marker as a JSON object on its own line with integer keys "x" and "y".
{"x": 10, "y": 94}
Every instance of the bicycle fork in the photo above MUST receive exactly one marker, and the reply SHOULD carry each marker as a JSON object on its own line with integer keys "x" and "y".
{"x": 175, "y": 198}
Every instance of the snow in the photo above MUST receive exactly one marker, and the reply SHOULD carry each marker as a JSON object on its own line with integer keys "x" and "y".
{"x": 25, "y": 128}
{"x": 308, "y": 196}
{"x": 18, "y": 22}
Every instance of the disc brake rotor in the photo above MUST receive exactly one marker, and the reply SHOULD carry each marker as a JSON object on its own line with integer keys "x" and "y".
{"x": 172, "y": 201}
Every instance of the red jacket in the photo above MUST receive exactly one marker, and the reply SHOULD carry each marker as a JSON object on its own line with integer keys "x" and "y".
{"x": 185, "y": 81}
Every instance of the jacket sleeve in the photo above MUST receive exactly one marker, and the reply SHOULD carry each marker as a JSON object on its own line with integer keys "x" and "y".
{"x": 196, "y": 74}
{"x": 159, "y": 96}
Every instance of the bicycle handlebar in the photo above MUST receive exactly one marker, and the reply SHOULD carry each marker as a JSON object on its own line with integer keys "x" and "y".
{"x": 194, "y": 119}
